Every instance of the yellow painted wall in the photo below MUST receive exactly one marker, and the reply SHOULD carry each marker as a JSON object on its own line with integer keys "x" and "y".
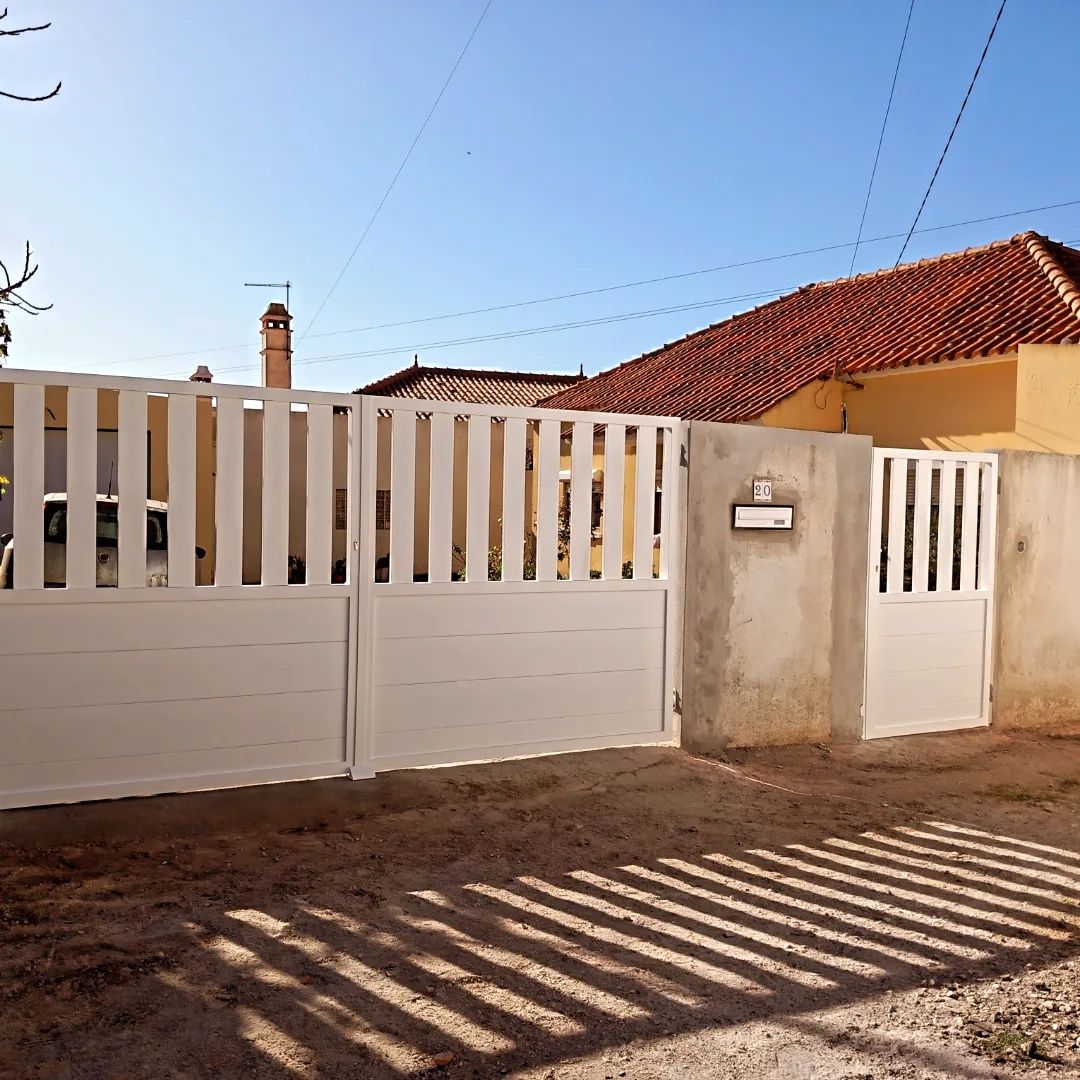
{"x": 964, "y": 406}
{"x": 1048, "y": 398}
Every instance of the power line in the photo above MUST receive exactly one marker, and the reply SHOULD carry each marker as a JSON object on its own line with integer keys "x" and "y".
{"x": 956, "y": 124}
{"x": 400, "y": 169}
{"x": 602, "y": 289}
{"x": 881, "y": 136}
{"x": 526, "y": 332}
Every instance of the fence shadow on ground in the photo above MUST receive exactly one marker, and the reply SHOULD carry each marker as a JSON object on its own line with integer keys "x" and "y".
{"x": 541, "y": 970}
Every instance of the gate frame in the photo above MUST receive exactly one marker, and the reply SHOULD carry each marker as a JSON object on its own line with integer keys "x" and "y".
{"x": 986, "y": 574}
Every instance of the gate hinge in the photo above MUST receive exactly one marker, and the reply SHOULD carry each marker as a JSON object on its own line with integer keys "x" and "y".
{"x": 678, "y": 701}
{"x": 991, "y": 691}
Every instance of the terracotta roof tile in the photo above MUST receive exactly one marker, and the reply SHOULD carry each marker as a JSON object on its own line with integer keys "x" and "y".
{"x": 984, "y": 301}
{"x": 522, "y": 388}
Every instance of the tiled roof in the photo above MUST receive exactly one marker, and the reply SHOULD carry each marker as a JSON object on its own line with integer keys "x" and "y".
{"x": 522, "y": 388}
{"x": 984, "y": 301}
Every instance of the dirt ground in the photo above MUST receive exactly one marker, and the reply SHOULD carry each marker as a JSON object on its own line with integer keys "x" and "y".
{"x": 900, "y": 909}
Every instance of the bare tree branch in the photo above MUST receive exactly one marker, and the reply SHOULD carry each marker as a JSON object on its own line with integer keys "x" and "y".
{"x": 43, "y": 97}
{"x": 16, "y": 33}
{"x": 23, "y": 29}
{"x": 10, "y": 295}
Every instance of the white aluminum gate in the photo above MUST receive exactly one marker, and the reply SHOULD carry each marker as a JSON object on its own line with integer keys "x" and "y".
{"x": 933, "y": 519}
{"x": 520, "y": 598}
{"x": 530, "y": 608}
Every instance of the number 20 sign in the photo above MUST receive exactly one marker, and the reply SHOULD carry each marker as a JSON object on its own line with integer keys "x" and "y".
{"x": 762, "y": 491}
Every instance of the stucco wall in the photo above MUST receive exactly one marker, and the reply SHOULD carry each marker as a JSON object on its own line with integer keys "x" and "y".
{"x": 965, "y": 406}
{"x": 1048, "y": 399}
{"x": 1037, "y": 641}
{"x": 774, "y": 621}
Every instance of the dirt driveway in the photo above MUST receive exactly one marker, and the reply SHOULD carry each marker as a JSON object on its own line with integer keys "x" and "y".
{"x": 904, "y": 909}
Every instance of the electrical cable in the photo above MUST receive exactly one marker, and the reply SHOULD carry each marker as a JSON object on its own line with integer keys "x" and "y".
{"x": 400, "y": 170}
{"x": 602, "y": 289}
{"x": 504, "y": 335}
{"x": 956, "y": 124}
{"x": 881, "y": 137}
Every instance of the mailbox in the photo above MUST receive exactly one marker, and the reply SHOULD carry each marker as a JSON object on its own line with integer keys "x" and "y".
{"x": 758, "y": 516}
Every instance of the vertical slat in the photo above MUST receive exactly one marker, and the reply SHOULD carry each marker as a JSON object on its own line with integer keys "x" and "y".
{"x": 644, "y": 501}
{"x": 920, "y": 545}
{"x": 181, "y": 491}
{"x": 229, "y": 494}
{"x": 319, "y": 533}
{"x": 988, "y": 524}
{"x": 969, "y": 525}
{"x": 581, "y": 500}
{"x": 81, "y": 557}
{"x": 668, "y": 494}
{"x": 877, "y": 499}
{"x": 547, "y": 507}
{"x": 513, "y": 499}
{"x": 131, "y": 490}
{"x": 28, "y": 483}
{"x": 898, "y": 474}
{"x": 402, "y": 494}
{"x": 946, "y": 526}
{"x": 479, "y": 495}
{"x": 614, "y": 476}
{"x": 363, "y": 474}
{"x": 441, "y": 504}
{"x": 275, "y": 493}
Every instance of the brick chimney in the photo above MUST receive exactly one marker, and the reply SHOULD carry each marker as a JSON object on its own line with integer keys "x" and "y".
{"x": 277, "y": 347}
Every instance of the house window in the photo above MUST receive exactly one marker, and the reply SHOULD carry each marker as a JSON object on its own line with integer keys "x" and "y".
{"x": 382, "y": 509}
{"x": 597, "y": 507}
{"x": 658, "y": 501}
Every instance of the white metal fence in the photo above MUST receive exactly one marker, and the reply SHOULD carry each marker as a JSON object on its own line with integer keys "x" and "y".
{"x": 295, "y": 636}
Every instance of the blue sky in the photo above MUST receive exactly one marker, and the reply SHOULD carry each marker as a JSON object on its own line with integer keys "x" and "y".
{"x": 583, "y": 143}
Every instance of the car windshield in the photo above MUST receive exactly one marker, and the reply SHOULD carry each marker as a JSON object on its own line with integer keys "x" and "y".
{"x": 107, "y": 526}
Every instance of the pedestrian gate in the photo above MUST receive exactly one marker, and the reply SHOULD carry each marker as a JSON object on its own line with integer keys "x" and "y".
{"x": 933, "y": 519}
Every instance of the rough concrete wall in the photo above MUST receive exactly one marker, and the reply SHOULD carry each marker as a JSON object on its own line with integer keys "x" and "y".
{"x": 774, "y": 622}
{"x": 1037, "y": 640}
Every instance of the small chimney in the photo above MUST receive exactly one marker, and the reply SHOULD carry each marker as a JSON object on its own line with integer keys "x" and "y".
{"x": 277, "y": 347}
{"x": 201, "y": 374}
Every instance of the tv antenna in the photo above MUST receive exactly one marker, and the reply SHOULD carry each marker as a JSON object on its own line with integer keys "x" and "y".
{"x": 286, "y": 285}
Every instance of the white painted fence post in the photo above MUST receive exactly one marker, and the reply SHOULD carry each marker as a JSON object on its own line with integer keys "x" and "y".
{"x": 363, "y": 475}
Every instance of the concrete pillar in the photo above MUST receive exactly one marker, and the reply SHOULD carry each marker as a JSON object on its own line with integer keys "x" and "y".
{"x": 775, "y": 621}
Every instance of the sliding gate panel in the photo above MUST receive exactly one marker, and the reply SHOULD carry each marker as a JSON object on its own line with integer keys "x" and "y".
{"x": 524, "y": 595}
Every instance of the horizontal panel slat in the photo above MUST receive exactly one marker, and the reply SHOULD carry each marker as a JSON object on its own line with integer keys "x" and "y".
{"x": 914, "y": 652}
{"x": 450, "y": 616}
{"x": 411, "y": 660}
{"x": 37, "y": 736}
{"x": 909, "y": 719}
{"x": 421, "y": 706}
{"x": 180, "y": 624}
{"x": 931, "y": 616}
{"x": 155, "y": 769}
{"x": 522, "y": 737}
{"x": 928, "y": 686}
{"x": 82, "y": 678}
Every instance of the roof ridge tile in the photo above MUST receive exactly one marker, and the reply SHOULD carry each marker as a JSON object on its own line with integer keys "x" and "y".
{"x": 1057, "y": 275}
